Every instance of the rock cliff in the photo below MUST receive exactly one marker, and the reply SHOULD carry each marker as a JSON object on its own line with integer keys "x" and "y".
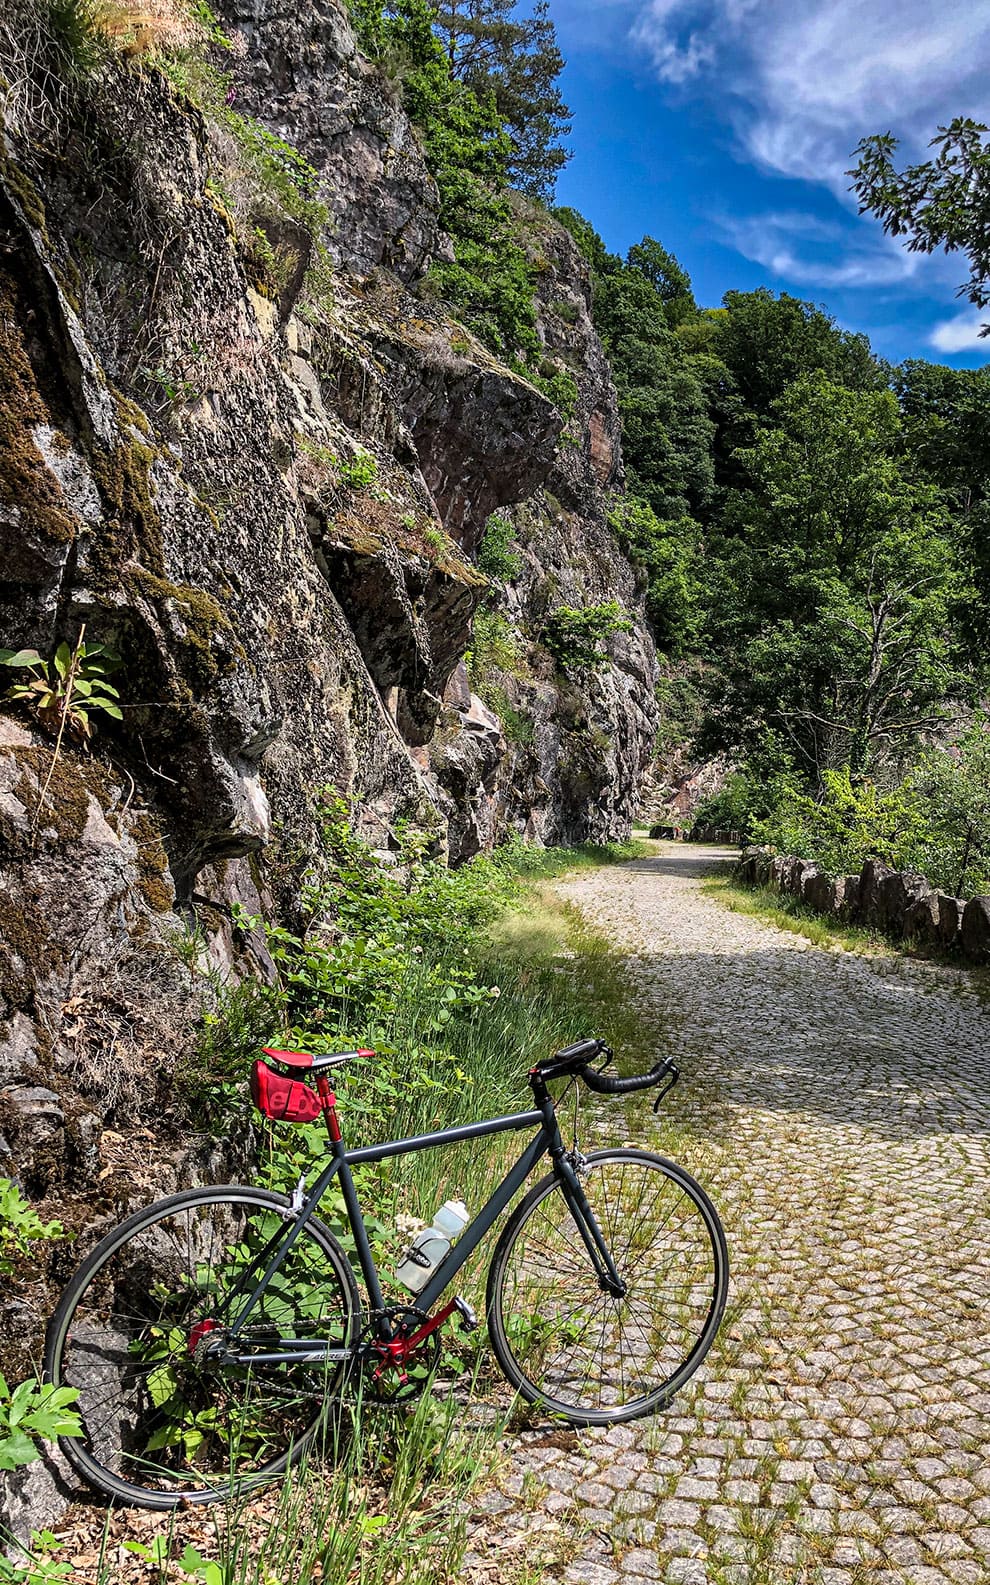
{"x": 258, "y": 464}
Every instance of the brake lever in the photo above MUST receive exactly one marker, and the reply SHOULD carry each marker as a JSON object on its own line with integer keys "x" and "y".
{"x": 673, "y": 1074}
{"x": 607, "y": 1056}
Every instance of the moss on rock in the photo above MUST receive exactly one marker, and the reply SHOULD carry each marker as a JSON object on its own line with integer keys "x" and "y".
{"x": 154, "y": 881}
{"x": 26, "y": 482}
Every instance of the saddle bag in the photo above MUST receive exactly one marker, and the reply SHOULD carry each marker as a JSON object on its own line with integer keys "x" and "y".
{"x": 282, "y": 1099}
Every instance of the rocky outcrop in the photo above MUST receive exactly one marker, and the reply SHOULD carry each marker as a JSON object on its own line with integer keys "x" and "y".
{"x": 483, "y": 436}
{"x": 96, "y": 1001}
{"x": 262, "y": 479}
{"x": 239, "y": 446}
{"x": 579, "y": 739}
{"x": 298, "y": 69}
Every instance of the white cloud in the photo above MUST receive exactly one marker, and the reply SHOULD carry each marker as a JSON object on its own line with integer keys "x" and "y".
{"x": 804, "y": 80}
{"x": 961, "y": 334}
{"x": 809, "y": 251}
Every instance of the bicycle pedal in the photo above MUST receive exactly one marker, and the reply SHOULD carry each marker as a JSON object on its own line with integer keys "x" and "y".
{"x": 467, "y": 1315}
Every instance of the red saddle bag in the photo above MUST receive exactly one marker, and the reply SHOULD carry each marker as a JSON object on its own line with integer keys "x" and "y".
{"x": 281, "y": 1099}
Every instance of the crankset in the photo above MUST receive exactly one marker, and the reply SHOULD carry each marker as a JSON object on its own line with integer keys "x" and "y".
{"x": 398, "y": 1371}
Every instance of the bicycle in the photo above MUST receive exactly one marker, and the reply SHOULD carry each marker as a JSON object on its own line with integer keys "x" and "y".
{"x": 208, "y": 1334}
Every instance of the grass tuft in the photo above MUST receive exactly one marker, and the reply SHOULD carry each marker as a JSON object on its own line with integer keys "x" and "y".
{"x": 788, "y": 913}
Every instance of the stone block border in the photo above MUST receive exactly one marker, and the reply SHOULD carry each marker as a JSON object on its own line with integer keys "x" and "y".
{"x": 903, "y": 905}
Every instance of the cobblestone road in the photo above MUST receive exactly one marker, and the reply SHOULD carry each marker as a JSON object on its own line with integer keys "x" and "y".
{"x": 836, "y": 1107}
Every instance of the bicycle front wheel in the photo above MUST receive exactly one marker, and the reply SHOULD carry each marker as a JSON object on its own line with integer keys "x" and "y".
{"x": 140, "y": 1331}
{"x": 585, "y": 1354}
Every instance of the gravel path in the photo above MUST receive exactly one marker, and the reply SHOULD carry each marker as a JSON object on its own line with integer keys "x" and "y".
{"x": 836, "y": 1107}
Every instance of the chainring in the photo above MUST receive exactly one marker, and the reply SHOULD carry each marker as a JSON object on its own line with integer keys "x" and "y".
{"x": 383, "y": 1380}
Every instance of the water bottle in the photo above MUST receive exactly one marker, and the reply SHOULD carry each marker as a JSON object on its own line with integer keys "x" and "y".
{"x": 428, "y": 1248}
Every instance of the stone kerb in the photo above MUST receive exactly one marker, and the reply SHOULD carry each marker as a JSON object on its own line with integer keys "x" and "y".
{"x": 902, "y": 904}
{"x": 975, "y": 931}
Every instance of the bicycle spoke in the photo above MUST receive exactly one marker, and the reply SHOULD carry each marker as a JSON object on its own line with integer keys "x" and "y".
{"x": 160, "y": 1415}
{"x": 573, "y": 1344}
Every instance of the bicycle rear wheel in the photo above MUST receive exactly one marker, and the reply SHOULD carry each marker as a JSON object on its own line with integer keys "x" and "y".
{"x": 580, "y": 1352}
{"x": 133, "y": 1330}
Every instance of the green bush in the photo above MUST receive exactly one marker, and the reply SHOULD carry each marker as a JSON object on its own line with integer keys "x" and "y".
{"x": 936, "y": 821}
{"x": 359, "y": 471}
{"x": 516, "y": 727}
{"x": 33, "y": 1412}
{"x": 750, "y": 798}
{"x": 665, "y": 550}
{"x": 494, "y": 647}
{"x": 575, "y": 638}
{"x": 20, "y": 1226}
{"x": 496, "y": 559}
{"x": 557, "y": 384}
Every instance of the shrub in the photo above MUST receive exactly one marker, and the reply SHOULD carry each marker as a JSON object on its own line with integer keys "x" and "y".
{"x": 665, "y": 550}
{"x": 516, "y": 727}
{"x": 935, "y": 821}
{"x": 360, "y": 471}
{"x": 494, "y": 647}
{"x": 558, "y": 385}
{"x": 20, "y": 1226}
{"x": 575, "y": 638}
{"x": 496, "y": 559}
{"x": 33, "y": 1412}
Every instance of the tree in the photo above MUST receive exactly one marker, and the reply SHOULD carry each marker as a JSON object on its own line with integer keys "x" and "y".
{"x": 518, "y": 62}
{"x": 946, "y": 427}
{"x": 766, "y": 342}
{"x": 666, "y": 430}
{"x": 666, "y": 552}
{"x": 941, "y": 203}
{"x": 832, "y": 586}
{"x": 671, "y": 283}
{"x": 955, "y": 785}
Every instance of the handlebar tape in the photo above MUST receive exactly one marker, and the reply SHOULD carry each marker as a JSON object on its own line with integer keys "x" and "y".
{"x": 605, "y": 1085}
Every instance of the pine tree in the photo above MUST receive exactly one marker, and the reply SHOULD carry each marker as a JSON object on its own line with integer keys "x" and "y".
{"x": 519, "y": 61}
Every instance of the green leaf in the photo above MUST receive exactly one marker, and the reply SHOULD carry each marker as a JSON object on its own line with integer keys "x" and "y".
{"x": 20, "y": 657}
{"x": 157, "y": 1552}
{"x": 17, "y": 1449}
{"x": 161, "y": 1385}
{"x": 63, "y": 660}
{"x": 21, "y": 1400}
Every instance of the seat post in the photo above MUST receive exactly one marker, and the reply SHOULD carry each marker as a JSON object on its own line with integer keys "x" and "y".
{"x": 328, "y": 1103}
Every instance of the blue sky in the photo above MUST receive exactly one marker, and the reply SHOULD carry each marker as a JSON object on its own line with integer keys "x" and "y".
{"x": 724, "y": 127}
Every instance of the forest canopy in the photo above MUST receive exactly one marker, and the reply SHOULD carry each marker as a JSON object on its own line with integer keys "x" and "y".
{"x": 814, "y": 527}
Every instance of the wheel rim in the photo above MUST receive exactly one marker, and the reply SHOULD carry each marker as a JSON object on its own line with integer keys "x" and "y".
{"x": 583, "y": 1351}
{"x": 158, "y": 1416}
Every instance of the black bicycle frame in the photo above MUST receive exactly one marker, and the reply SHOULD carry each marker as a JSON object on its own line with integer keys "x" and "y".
{"x": 547, "y": 1141}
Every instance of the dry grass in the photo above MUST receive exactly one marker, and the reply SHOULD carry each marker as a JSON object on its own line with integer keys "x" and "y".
{"x": 144, "y": 30}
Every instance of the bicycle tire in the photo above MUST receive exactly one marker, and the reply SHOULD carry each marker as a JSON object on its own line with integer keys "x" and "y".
{"x": 565, "y": 1343}
{"x": 161, "y": 1427}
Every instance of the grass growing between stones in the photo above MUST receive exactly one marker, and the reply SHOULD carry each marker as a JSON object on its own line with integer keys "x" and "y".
{"x": 787, "y": 913}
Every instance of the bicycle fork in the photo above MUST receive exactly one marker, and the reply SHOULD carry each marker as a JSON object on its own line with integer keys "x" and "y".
{"x": 587, "y": 1225}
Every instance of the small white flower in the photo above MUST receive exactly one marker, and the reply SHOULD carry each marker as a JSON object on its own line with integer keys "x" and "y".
{"x": 494, "y": 992}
